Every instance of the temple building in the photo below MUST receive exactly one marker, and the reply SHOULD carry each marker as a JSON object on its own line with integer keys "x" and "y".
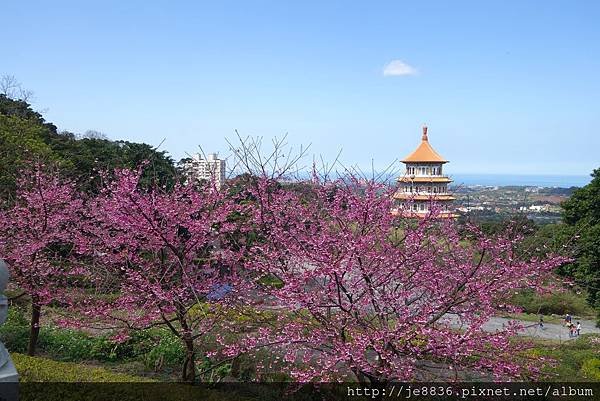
{"x": 423, "y": 184}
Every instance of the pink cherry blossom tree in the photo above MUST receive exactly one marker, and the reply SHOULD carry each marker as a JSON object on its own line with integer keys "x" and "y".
{"x": 36, "y": 239}
{"x": 377, "y": 298}
{"x": 165, "y": 255}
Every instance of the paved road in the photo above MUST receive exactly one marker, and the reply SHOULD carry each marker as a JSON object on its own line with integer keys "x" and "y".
{"x": 550, "y": 331}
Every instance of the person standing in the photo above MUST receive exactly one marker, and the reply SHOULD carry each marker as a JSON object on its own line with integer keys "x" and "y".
{"x": 568, "y": 318}
{"x": 541, "y": 321}
{"x": 578, "y": 328}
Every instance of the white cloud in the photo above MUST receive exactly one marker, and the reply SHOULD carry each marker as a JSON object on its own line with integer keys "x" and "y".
{"x": 398, "y": 68}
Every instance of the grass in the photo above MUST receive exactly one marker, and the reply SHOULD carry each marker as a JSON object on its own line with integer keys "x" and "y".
{"x": 35, "y": 369}
{"x": 577, "y": 360}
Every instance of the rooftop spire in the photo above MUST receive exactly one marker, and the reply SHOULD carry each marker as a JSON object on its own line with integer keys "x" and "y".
{"x": 424, "y": 153}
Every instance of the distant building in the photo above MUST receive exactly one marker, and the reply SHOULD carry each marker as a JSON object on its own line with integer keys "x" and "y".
{"x": 423, "y": 183}
{"x": 535, "y": 208}
{"x": 210, "y": 169}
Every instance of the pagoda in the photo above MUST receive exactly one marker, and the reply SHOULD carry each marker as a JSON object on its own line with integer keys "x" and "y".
{"x": 423, "y": 184}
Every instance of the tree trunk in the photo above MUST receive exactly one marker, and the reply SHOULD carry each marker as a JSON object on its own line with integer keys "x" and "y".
{"x": 34, "y": 329}
{"x": 235, "y": 368}
{"x": 189, "y": 365}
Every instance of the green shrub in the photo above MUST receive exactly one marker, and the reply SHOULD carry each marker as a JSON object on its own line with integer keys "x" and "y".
{"x": 558, "y": 303}
{"x": 213, "y": 372}
{"x": 272, "y": 281}
{"x": 591, "y": 369}
{"x": 66, "y": 345}
{"x": 159, "y": 348}
{"x": 572, "y": 360}
{"x": 14, "y": 333}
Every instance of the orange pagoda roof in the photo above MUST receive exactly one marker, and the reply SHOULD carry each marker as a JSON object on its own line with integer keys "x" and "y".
{"x": 424, "y": 153}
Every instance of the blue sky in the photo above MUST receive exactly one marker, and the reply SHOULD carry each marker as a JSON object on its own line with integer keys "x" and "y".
{"x": 504, "y": 86}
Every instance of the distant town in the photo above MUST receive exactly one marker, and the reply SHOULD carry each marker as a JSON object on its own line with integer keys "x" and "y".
{"x": 423, "y": 181}
{"x": 541, "y": 204}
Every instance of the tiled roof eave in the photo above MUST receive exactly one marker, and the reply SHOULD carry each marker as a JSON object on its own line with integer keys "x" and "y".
{"x": 434, "y": 198}
{"x": 424, "y": 179}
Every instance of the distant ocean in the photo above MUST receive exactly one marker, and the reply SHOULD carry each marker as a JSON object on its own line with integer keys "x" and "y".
{"x": 562, "y": 181}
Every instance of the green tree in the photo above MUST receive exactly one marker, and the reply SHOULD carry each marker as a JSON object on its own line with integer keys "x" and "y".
{"x": 20, "y": 140}
{"x": 26, "y": 135}
{"x": 21, "y": 109}
{"x": 581, "y": 212}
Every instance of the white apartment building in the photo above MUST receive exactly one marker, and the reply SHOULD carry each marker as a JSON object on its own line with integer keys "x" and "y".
{"x": 210, "y": 169}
